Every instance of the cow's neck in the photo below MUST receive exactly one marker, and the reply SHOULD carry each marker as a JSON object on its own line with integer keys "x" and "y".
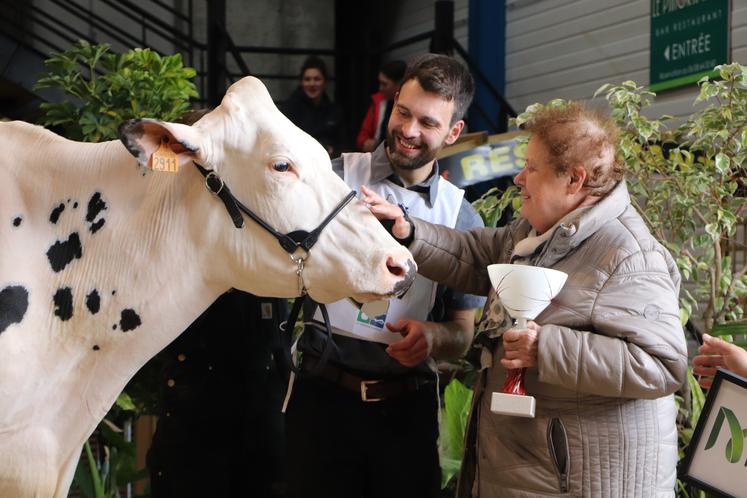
{"x": 103, "y": 310}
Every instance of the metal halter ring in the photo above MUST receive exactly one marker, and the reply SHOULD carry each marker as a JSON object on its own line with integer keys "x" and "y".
{"x": 300, "y": 260}
{"x": 207, "y": 183}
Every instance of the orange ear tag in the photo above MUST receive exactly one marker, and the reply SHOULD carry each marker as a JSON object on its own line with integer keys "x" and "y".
{"x": 164, "y": 159}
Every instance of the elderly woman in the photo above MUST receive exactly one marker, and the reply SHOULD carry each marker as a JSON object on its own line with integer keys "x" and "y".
{"x": 606, "y": 355}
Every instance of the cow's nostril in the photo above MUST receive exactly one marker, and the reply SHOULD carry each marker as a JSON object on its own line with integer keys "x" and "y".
{"x": 395, "y": 268}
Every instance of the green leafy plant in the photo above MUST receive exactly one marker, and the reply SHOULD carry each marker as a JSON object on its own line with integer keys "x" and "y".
{"x": 689, "y": 183}
{"x": 493, "y": 204}
{"x": 102, "y": 477}
{"x": 107, "y": 88}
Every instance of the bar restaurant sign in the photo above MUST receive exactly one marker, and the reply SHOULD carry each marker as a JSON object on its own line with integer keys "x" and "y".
{"x": 688, "y": 38}
{"x": 483, "y": 159}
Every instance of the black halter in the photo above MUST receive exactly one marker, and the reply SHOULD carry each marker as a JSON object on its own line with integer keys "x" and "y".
{"x": 290, "y": 242}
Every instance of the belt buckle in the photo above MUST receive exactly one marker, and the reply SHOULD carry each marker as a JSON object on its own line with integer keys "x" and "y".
{"x": 364, "y": 391}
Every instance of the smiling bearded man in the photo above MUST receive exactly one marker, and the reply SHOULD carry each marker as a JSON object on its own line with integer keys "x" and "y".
{"x": 388, "y": 448}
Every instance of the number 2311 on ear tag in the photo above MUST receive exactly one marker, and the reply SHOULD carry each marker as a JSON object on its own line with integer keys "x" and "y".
{"x": 164, "y": 159}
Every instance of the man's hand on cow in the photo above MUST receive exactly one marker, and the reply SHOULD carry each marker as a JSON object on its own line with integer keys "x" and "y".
{"x": 520, "y": 347}
{"x": 385, "y": 210}
{"x": 415, "y": 345}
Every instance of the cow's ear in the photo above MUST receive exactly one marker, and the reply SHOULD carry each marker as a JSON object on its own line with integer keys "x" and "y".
{"x": 143, "y": 137}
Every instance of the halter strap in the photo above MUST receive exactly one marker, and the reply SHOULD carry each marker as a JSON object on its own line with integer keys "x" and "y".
{"x": 290, "y": 242}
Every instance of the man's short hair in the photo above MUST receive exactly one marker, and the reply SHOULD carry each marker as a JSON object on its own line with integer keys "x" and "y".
{"x": 444, "y": 76}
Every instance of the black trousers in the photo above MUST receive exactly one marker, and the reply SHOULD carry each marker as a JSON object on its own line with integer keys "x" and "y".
{"x": 341, "y": 447}
{"x": 220, "y": 430}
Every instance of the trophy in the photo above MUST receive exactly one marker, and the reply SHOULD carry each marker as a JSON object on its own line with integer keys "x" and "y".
{"x": 525, "y": 291}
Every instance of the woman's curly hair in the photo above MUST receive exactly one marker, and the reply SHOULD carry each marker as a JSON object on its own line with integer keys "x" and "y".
{"x": 575, "y": 134}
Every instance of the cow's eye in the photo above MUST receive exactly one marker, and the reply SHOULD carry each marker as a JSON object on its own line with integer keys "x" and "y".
{"x": 281, "y": 166}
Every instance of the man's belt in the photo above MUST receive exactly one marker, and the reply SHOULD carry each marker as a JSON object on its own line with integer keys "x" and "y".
{"x": 369, "y": 389}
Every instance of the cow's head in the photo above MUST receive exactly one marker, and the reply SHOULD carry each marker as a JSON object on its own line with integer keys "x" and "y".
{"x": 285, "y": 177}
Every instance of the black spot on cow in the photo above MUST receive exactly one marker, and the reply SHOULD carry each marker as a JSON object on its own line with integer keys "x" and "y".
{"x": 97, "y": 225}
{"x": 56, "y": 212}
{"x": 95, "y": 206}
{"x": 75, "y": 205}
{"x": 96, "y": 347}
{"x": 93, "y": 302}
{"x": 17, "y": 221}
{"x": 63, "y": 252}
{"x": 114, "y": 327}
{"x": 129, "y": 320}
{"x": 14, "y": 301}
{"x": 114, "y": 292}
{"x": 63, "y": 301}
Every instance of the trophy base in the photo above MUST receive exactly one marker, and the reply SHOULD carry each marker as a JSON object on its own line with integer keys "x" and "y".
{"x": 513, "y": 405}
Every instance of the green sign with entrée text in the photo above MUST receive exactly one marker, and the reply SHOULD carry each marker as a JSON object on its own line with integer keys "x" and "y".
{"x": 688, "y": 38}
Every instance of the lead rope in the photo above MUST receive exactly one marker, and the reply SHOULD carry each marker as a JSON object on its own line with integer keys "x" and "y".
{"x": 290, "y": 322}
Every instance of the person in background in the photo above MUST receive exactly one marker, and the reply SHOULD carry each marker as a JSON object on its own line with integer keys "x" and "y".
{"x": 373, "y": 128}
{"x": 312, "y": 110}
{"x": 603, "y": 360}
{"x": 367, "y": 424}
{"x": 714, "y": 353}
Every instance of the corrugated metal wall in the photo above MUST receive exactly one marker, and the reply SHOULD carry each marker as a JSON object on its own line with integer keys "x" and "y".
{"x": 569, "y": 48}
{"x": 566, "y": 48}
{"x": 413, "y": 17}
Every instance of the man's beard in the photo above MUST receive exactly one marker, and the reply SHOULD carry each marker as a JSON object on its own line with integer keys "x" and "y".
{"x": 401, "y": 161}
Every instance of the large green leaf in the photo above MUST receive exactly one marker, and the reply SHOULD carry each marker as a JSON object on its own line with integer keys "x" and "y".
{"x": 737, "y": 327}
{"x": 457, "y": 403}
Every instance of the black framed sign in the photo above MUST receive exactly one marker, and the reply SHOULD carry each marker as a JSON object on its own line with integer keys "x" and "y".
{"x": 716, "y": 459}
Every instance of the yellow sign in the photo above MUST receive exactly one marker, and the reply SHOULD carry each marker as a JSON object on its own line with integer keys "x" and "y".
{"x": 503, "y": 155}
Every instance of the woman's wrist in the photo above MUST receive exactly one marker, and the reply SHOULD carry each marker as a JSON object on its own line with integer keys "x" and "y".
{"x": 407, "y": 240}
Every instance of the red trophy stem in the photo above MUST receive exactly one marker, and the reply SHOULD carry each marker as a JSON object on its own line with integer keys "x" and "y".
{"x": 515, "y": 376}
{"x": 514, "y": 382}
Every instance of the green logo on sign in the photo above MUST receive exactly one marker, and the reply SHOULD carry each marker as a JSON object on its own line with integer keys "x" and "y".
{"x": 735, "y": 445}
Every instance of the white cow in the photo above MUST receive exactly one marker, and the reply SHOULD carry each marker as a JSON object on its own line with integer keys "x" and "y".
{"x": 103, "y": 262}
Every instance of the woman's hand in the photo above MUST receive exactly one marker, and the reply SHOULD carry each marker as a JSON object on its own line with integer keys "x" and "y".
{"x": 385, "y": 210}
{"x": 716, "y": 352}
{"x": 520, "y": 346}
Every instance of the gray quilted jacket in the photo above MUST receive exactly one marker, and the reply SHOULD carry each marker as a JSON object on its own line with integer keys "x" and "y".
{"x": 611, "y": 352}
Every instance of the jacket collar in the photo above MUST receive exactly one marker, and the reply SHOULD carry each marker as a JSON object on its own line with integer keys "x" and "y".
{"x": 573, "y": 230}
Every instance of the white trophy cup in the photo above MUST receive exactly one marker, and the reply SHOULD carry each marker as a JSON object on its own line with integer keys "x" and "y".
{"x": 524, "y": 292}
